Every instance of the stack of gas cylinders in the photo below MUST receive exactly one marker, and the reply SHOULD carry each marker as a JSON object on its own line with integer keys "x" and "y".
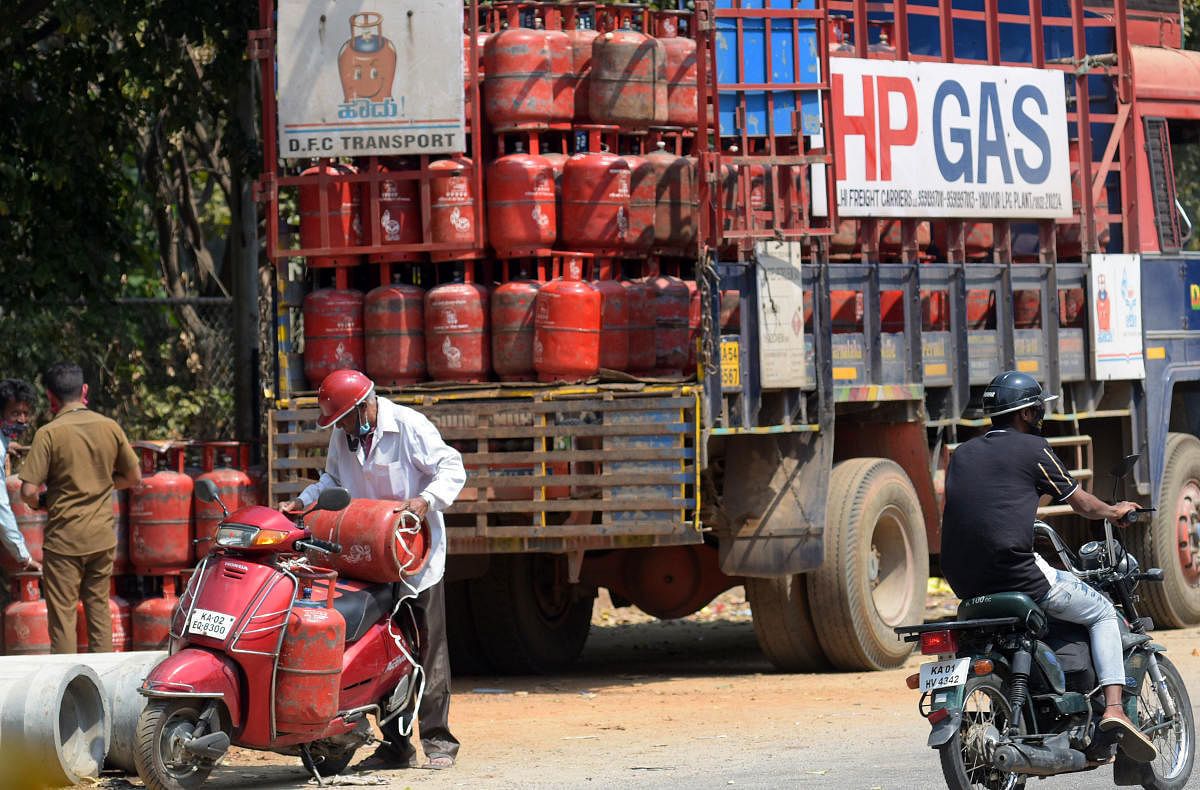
{"x": 161, "y": 531}
{"x": 589, "y": 200}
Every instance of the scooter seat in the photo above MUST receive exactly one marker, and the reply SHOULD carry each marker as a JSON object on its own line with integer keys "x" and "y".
{"x": 361, "y": 605}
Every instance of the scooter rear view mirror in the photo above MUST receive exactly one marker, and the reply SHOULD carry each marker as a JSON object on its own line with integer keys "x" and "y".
{"x": 333, "y": 499}
{"x": 206, "y": 490}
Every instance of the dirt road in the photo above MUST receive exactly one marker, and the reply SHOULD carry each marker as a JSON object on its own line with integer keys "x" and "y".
{"x": 689, "y": 703}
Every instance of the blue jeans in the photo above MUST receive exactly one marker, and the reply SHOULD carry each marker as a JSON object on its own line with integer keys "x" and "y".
{"x": 1071, "y": 600}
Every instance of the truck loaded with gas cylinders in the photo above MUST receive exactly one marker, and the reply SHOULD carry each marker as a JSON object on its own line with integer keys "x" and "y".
{"x": 708, "y": 297}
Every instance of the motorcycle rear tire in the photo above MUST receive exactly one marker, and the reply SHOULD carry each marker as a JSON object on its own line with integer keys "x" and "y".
{"x": 963, "y": 771}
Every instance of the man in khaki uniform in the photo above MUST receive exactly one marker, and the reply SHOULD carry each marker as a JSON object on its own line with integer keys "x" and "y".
{"x": 81, "y": 456}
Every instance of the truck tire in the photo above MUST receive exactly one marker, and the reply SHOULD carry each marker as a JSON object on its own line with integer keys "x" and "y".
{"x": 1169, "y": 541}
{"x": 783, "y": 623}
{"x": 528, "y": 619}
{"x": 876, "y": 569}
{"x": 466, "y": 650}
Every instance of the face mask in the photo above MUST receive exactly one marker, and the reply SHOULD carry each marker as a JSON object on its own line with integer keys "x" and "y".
{"x": 1039, "y": 413}
{"x": 14, "y": 430}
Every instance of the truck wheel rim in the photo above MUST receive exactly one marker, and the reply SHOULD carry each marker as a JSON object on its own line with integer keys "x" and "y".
{"x": 890, "y": 567}
{"x": 1187, "y": 520}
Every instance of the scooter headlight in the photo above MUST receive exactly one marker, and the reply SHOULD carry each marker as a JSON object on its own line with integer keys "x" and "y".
{"x": 236, "y": 536}
{"x": 243, "y": 536}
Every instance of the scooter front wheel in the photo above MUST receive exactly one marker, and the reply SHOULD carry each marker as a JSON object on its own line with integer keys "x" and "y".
{"x": 161, "y": 761}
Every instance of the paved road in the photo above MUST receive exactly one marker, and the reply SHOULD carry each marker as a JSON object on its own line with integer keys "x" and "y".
{"x": 690, "y": 705}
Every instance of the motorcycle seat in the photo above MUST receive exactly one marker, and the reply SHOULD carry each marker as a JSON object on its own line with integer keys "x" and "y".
{"x": 362, "y": 605}
{"x": 1005, "y": 604}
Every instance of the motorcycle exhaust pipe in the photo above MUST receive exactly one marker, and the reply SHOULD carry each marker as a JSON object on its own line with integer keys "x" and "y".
{"x": 1037, "y": 760}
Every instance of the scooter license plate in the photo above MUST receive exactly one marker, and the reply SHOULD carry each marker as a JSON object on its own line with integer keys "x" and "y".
{"x": 940, "y": 674}
{"x": 212, "y": 624}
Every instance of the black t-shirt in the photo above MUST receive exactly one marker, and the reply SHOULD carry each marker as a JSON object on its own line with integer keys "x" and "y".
{"x": 992, "y": 488}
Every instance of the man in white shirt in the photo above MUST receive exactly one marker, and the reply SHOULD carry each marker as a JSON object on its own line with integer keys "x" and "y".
{"x": 382, "y": 450}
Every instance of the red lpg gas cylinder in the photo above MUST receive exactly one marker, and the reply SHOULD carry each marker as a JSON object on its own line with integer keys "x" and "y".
{"x": 581, "y": 39}
{"x": 160, "y": 510}
{"x": 379, "y": 543}
{"x": 682, "y": 96}
{"x": 26, "y": 629}
{"x": 394, "y": 334}
{"x": 694, "y": 315}
{"x": 30, "y": 523}
{"x": 151, "y": 619}
{"x": 339, "y": 224}
{"x": 309, "y": 672}
{"x": 670, "y": 309}
{"x": 639, "y": 296}
{"x": 562, "y": 66}
{"x": 629, "y": 79}
{"x": 675, "y": 199}
{"x": 452, "y": 210}
{"x": 643, "y": 189}
{"x": 121, "y": 563}
{"x": 512, "y": 312}
{"x": 595, "y": 202}
{"x": 567, "y": 322}
{"x": 398, "y": 212}
{"x": 614, "y": 319}
{"x": 519, "y": 77}
{"x": 333, "y": 333}
{"x": 456, "y": 332}
{"x": 235, "y": 488}
{"x": 521, "y": 207}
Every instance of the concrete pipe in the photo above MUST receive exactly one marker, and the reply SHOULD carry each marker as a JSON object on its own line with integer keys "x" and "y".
{"x": 121, "y": 674}
{"x": 54, "y": 725}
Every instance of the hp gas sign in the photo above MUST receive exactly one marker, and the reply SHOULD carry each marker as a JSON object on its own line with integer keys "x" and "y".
{"x": 948, "y": 140}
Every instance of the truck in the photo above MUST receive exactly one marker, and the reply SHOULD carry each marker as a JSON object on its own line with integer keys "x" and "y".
{"x": 892, "y": 202}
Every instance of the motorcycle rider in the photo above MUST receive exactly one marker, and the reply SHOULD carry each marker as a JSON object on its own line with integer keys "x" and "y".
{"x": 382, "y": 450}
{"x": 993, "y": 484}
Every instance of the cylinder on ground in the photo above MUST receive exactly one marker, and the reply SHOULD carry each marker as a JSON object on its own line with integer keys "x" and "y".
{"x": 26, "y": 627}
{"x": 30, "y": 523}
{"x": 160, "y": 515}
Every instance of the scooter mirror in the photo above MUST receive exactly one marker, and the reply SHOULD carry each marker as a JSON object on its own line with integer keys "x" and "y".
{"x": 333, "y": 499}
{"x": 206, "y": 490}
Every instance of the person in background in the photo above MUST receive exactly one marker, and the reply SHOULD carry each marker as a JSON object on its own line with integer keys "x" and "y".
{"x": 16, "y": 406}
{"x": 80, "y": 456}
{"x": 382, "y": 450}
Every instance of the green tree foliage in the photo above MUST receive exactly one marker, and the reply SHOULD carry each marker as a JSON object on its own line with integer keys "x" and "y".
{"x": 119, "y": 159}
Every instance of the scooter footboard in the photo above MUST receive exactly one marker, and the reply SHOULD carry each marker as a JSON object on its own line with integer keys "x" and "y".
{"x": 196, "y": 672}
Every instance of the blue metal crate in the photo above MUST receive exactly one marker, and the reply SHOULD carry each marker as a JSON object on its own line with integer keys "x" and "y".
{"x": 751, "y": 53}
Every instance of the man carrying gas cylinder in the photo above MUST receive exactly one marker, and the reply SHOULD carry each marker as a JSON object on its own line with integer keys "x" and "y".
{"x": 382, "y": 450}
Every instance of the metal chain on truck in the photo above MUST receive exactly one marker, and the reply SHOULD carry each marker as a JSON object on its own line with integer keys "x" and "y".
{"x": 708, "y": 284}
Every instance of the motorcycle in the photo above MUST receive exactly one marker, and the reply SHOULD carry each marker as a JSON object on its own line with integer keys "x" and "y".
{"x": 268, "y": 651}
{"x": 1013, "y": 694}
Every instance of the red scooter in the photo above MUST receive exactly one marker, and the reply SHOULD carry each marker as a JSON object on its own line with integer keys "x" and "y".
{"x": 270, "y": 652}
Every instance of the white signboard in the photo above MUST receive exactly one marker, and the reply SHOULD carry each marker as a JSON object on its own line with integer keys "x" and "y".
{"x": 370, "y": 77}
{"x": 780, "y": 315}
{"x": 949, "y": 140}
{"x": 1116, "y": 311}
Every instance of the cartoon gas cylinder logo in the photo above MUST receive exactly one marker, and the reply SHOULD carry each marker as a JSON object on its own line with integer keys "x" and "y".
{"x": 1103, "y": 309}
{"x": 367, "y": 61}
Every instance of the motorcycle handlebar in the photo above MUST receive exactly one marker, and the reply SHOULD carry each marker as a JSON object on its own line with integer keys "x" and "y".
{"x": 323, "y": 546}
{"x": 1134, "y": 516}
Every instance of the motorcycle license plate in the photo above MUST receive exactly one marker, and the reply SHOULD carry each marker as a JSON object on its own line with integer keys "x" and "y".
{"x": 209, "y": 623}
{"x": 940, "y": 674}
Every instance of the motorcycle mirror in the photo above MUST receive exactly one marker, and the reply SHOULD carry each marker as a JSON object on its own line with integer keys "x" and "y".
{"x": 1121, "y": 470}
{"x": 333, "y": 499}
{"x": 206, "y": 490}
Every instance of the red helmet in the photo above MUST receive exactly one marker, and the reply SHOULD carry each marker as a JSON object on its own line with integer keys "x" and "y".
{"x": 340, "y": 392}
